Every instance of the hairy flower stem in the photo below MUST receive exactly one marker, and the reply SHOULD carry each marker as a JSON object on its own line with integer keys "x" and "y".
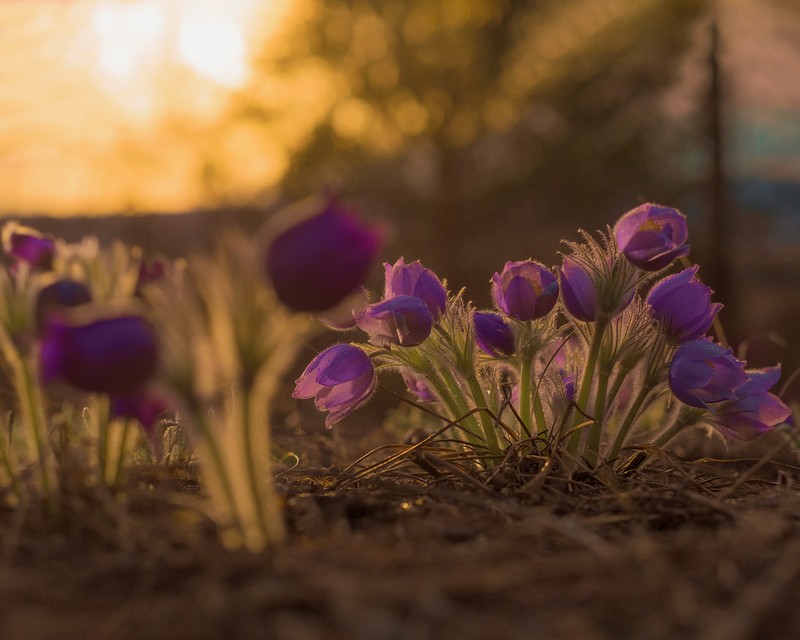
{"x": 599, "y": 411}
{"x": 487, "y": 423}
{"x": 586, "y": 383}
{"x": 10, "y": 466}
{"x": 450, "y": 393}
{"x": 121, "y": 452}
{"x": 525, "y": 374}
{"x": 619, "y": 379}
{"x": 103, "y": 420}
{"x": 630, "y": 417}
{"x": 687, "y": 417}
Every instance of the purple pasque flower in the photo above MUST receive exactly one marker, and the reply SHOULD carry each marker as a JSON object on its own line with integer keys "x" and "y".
{"x": 60, "y": 294}
{"x": 28, "y": 245}
{"x": 492, "y": 334}
{"x": 402, "y": 320}
{"x": 317, "y": 263}
{"x": 651, "y": 236}
{"x": 340, "y": 379}
{"x": 589, "y": 294}
{"x": 415, "y": 280}
{"x": 703, "y": 372}
{"x": 755, "y": 410}
{"x": 578, "y": 291}
{"x": 150, "y": 272}
{"x": 112, "y": 355}
{"x": 147, "y": 408}
{"x": 418, "y": 386}
{"x": 525, "y": 290}
{"x": 682, "y": 305}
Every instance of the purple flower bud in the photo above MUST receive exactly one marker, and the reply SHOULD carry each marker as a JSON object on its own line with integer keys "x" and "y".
{"x": 525, "y": 290}
{"x": 111, "y": 355}
{"x": 578, "y": 291}
{"x": 419, "y": 387}
{"x": 317, "y": 263}
{"x": 703, "y": 372}
{"x": 415, "y": 280}
{"x": 652, "y": 237}
{"x": 145, "y": 407}
{"x": 682, "y": 305}
{"x": 340, "y": 379}
{"x": 58, "y": 295}
{"x": 28, "y": 245}
{"x": 755, "y": 411}
{"x": 149, "y": 273}
{"x": 403, "y": 320}
{"x": 568, "y": 380}
{"x": 492, "y": 334}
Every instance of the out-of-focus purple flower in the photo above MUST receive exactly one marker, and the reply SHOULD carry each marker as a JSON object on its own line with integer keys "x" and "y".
{"x": 652, "y": 237}
{"x": 58, "y": 295}
{"x": 145, "y": 406}
{"x": 419, "y": 387}
{"x": 492, "y": 334}
{"x": 415, "y": 280}
{"x": 340, "y": 379}
{"x": 682, "y": 305}
{"x": 24, "y": 244}
{"x": 403, "y": 320}
{"x": 756, "y": 410}
{"x": 568, "y": 380}
{"x": 703, "y": 372}
{"x": 318, "y": 262}
{"x": 150, "y": 272}
{"x": 111, "y": 355}
{"x": 525, "y": 290}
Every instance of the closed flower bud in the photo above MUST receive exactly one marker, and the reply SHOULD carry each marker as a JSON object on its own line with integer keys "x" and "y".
{"x": 110, "y": 355}
{"x": 415, "y": 280}
{"x": 652, "y": 237}
{"x": 682, "y": 305}
{"x": 418, "y": 386}
{"x": 704, "y": 372}
{"x": 756, "y": 410}
{"x": 24, "y": 244}
{"x": 578, "y": 291}
{"x": 147, "y": 408}
{"x": 402, "y": 320}
{"x": 492, "y": 334}
{"x": 340, "y": 379}
{"x": 58, "y": 295}
{"x": 525, "y": 290}
{"x": 318, "y": 262}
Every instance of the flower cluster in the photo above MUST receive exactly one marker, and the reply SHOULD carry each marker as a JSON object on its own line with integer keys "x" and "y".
{"x": 205, "y": 341}
{"x": 584, "y": 349}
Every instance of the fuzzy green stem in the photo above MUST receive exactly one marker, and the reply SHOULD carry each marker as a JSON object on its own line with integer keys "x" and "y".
{"x": 103, "y": 420}
{"x": 525, "y": 374}
{"x": 487, "y": 423}
{"x": 673, "y": 431}
{"x": 630, "y": 417}
{"x": 538, "y": 412}
{"x": 619, "y": 379}
{"x": 599, "y": 410}
{"x": 121, "y": 453}
{"x": 5, "y": 454}
{"x": 453, "y": 397}
{"x": 586, "y": 383}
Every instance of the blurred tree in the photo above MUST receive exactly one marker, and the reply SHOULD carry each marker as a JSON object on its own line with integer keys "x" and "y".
{"x": 486, "y": 129}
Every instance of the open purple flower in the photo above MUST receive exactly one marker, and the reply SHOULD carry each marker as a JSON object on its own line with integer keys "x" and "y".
{"x": 110, "y": 355}
{"x": 340, "y": 379}
{"x": 525, "y": 290}
{"x": 415, "y": 280}
{"x": 24, "y": 244}
{"x": 403, "y": 320}
{"x": 756, "y": 410}
{"x": 682, "y": 305}
{"x": 59, "y": 295}
{"x": 318, "y": 262}
{"x": 703, "y": 372}
{"x": 492, "y": 334}
{"x": 652, "y": 237}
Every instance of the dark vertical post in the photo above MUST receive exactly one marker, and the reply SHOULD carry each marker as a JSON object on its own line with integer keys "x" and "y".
{"x": 719, "y": 270}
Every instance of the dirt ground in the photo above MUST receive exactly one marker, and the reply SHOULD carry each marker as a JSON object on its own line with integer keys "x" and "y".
{"x": 706, "y": 550}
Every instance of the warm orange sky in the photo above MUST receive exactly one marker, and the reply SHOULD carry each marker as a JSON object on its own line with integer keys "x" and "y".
{"x": 83, "y": 82}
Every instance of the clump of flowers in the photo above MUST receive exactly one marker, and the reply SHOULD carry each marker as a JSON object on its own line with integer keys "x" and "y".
{"x": 567, "y": 362}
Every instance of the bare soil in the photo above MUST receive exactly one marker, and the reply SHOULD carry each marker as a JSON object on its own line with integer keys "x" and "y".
{"x": 707, "y": 550}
